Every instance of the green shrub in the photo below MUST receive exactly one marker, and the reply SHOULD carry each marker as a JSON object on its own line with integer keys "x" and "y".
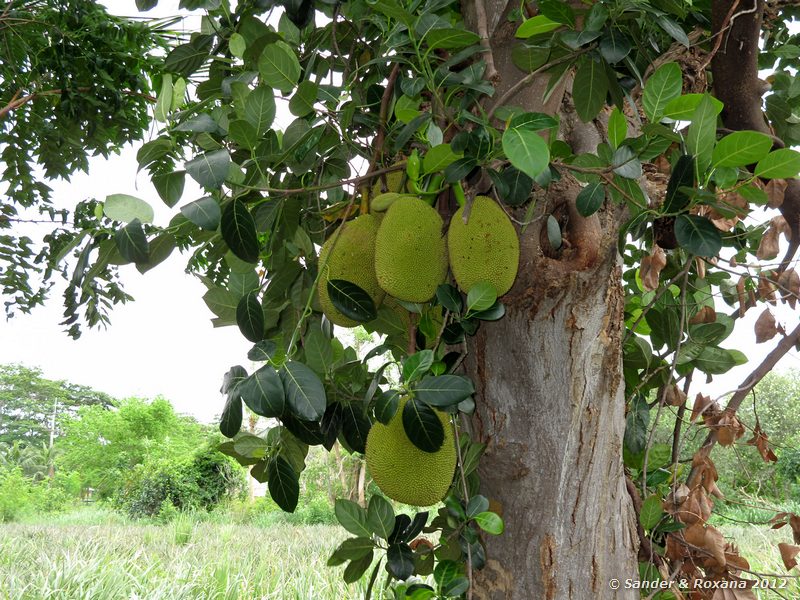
{"x": 15, "y": 493}
{"x": 197, "y": 483}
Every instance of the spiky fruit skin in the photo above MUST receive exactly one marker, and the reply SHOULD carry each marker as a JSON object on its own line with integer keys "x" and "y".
{"x": 404, "y": 472}
{"x": 410, "y": 251}
{"x": 351, "y": 258}
{"x": 486, "y": 248}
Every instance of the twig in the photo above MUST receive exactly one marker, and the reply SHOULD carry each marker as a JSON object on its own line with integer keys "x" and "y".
{"x": 16, "y": 102}
{"x": 465, "y": 491}
{"x": 491, "y": 73}
{"x": 510, "y": 92}
{"x": 377, "y": 142}
{"x": 727, "y": 23}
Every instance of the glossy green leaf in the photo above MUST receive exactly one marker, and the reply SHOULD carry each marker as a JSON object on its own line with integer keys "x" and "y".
{"x": 683, "y": 107}
{"x": 205, "y": 213}
{"x": 352, "y": 517}
{"x": 682, "y": 176}
{"x": 259, "y": 109}
{"x": 356, "y": 569}
{"x": 663, "y": 86}
{"x": 617, "y": 128}
{"x": 416, "y": 365}
{"x": 444, "y": 390}
{"x": 451, "y": 39}
{"x": 302, "y": 102}
{"x": 132, "y": 243}
{"x": 589, "y": 89}
{"x": 231, "y": 420}
{"x": 651, "y": 512}
{"x": 352, "y": 301}
{"x": 779, "y": 164}
{"x": 170, "y": 186}
{"x": 590, "y": 199}
{"x": 741, "y": 148}
{"x": 400, "y": 560}
{"x": 263, "y": 392}
{"x": 278, "y": 66}
{"x": 698, "y": 235}
{"x": 250, "y": 317}
{"x": 536, "y": 26}
{"x": 422, "y": 426}
{"x": 702, "y": 134}
{"x": 481, "y": 296}
{"x": 558, "y": 11}
{"x": 526, "y": 150}
{"x": 239, "y": 231}
{"x": 210, "y": 169}
{"x": 386, "y": 405}
{"x": 490, "y": 522}
{"x": 380, "y": 516}
{"x": 284, "y": 486}
{"x": 305, "y": 393}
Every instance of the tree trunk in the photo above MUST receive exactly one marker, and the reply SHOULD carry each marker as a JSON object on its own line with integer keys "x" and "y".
{"x": 549, "y": 388}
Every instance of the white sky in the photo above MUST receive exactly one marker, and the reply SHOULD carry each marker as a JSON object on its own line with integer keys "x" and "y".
{"x": 163, "y": 343}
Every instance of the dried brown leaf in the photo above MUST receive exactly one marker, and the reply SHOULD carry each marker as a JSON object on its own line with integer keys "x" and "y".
{"x": 700, "y": 406}
{"x": 769, "y": 246}
{"x": 789, "y": 555}
{"x": 761, "y": 442}
{"x": 651, "y": 267}
{"x": 674, "y": 396}
{"x": 705, "y": 315}
{"x": 766, "y": 288}
{"x": 741, "y": 296}
{"x": 775, "y": 189}
{"x": 765, "y": 327}
{"x": 789, "y": 284}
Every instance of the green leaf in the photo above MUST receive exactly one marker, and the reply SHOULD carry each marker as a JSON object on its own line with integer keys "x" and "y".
{"x": 554, "y": 232}
{"x": 416, "y": 365}
{"x": 170, "y": 186}
{"x": 187, "y": 58}
{"x": 526, "y": 150}
{"x": 614, "y": 46}
{"x": 589, "y": 89}
{"x": 663, "y": 86}
{"x": 741, "y": 148}
{"x": 355, "y": 427}
{"x": 625, "y": 163}
{"x": 380, "y": 516}
{"x": 490, "y": 522}
{"x": 558, "y": 11}
{"x": 263, "y": 392}
{"x": 251, "y": 446}
{"x": 477, "y": 504}
{"x": 356, "y": 569}
{"x": 617, "y": 127}
{"x": 239, "y": 231}
{"x": 210, "y": 169}
{"x": 779, "y": 164}
{"x": 352, "y": 517}
{"x": 651, "y": 512}
{"x": 125, "y": 208}
{"x": 674, "y": 30}
{"x": 231, "y": 420}
{"x": 450, "y": 298}
{"x": 386, "y": 405}
{"x": 422, "y": 426}
{"x": 304, "y": 391}
{"x": 160, "y": 249}
{"x": 698, "y": 235}
{"x": 284, "y": 487}
{"x": 279, "y": 67}
{"x": 702, "y": 134}
{"x": 481, "y": 296}
{"x": 439, "y": 158}
{"x": 202, "y": 123}
{"x": 302, "y": 102}
{"x": 237, "y": 44}
{"x": 250, "y": 317}
{"x": 683, "y": 107}
{"x": 536, "y": 26}
{"x": 444, "y": 390}
{"x": 259, "y": 109}
{"x": 318, "y": 351}
{"x": 132, "y": 242}
{"x": 352, "y": 549}
{"x": 352, "y": 301}
{"x": 682, "y": 176}
{"x": 451, "y": 39}
{"x": 715, "y": 361}
{"x": 205, "y": 213}
{"x": 400, "y": 560}
{"x": 590, "y": 199}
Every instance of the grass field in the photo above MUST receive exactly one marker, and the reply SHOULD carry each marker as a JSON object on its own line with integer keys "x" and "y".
{"x": 100, "y": 555}
{"x": 184, "y": 560}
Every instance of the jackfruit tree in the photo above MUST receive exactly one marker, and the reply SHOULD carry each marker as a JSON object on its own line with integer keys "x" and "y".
{"x": 612, "y": 181}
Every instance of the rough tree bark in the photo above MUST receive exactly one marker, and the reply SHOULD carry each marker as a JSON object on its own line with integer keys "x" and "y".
{"x": 550, "y": 393}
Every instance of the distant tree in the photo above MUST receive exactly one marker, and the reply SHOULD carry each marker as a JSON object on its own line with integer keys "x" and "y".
{"x": 75, "y": 84}
{"x": 105, "y": 445}
{"x": 32, "y": 406}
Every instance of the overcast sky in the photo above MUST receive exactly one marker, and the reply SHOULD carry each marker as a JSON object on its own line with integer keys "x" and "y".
{"x": 163, "y": 343}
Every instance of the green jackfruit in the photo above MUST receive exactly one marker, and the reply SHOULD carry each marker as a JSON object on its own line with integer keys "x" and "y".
{"x": 352, "y": 259}
{"x": 410, "y": 251}
{"x": 393, "y": 181}
{"x": 486, "y": 248}
{"x": 404, "y": 472}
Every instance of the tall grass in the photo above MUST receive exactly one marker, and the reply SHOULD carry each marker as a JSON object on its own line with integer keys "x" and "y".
{"x": 186, "y": 559}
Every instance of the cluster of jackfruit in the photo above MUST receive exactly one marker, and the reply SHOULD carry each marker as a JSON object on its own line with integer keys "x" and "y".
{"x": 404, "y": 472}
{"x": 404, "y": 253}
